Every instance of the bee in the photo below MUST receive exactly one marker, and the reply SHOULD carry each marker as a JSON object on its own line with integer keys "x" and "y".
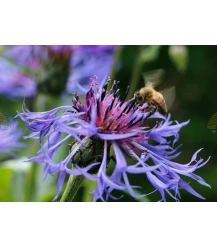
{"x": 154, "y": 99}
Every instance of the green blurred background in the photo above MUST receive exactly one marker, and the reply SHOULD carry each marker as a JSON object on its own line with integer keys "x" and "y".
{"x": 193, "y": 71}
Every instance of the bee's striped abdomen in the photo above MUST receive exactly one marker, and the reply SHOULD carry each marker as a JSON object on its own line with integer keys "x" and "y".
{"x": 160, "y": 102}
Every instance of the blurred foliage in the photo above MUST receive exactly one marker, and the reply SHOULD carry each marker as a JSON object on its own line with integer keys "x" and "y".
{"x": 192, "y": 69}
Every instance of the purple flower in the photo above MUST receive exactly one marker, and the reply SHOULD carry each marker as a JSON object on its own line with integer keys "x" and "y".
{"x": 86, "y": 48}
{"x": 107, "y": 128}
{"x": 13, "y": 82}
{"x": 80, "y": 60}
{"x": 86, "y": 60}
{"x": 61, "y": 48}
{"x": 9, "y": 136}
{"x": 29, "y": 56}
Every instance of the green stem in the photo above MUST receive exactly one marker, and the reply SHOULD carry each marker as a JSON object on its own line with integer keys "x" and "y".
{"x": 72, "y": 187}
{"x": 136, "y": 73}
{"x": 115, "y": 64}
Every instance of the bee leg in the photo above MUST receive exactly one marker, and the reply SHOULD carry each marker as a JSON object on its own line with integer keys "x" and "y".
{"x": 147, "y": 108}
{"x": 153, "y": 108}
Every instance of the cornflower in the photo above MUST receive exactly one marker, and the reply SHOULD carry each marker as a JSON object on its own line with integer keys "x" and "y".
{"x": 13, "y": 82}
{"x": 108, "y": 132}
{"x": 67, "y": 64}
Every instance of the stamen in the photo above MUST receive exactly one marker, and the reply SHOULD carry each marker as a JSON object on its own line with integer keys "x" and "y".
{"x": 118, "y": 126}
{"x": 111, "y": 121}
{"x": 116, "y": 87}
{"x": 106, "y": 85}
{"x": 113, "y": 85}
{"x": 106, "y": 112}
{"x": 125, "y": 95}
{"x": 115, "y": 94}
{"x": 97, "y": 107}
{"x": 132, "y": 120}
{"x": 131, "y": 106}
{"x": 103, "y": 95}
{"x": 140, "y": 119}
{"x": 125, "y": 108}
{"x": 110, "y": 107}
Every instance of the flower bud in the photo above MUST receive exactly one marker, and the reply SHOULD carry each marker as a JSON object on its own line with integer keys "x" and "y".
{"x": 90, "y": 152}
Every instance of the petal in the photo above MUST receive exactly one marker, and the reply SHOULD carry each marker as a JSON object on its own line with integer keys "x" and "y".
{"x": 60, "y": 183}
{"x": 115, "y": 136}
{"x": 188, "y": 188}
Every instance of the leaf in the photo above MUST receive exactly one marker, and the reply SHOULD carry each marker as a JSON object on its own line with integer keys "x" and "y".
{"x": 87, "y": 188}
{"x": 179, "y": 56}
{"x": 150, "y": 53}
{"x": 5, "y": 184}
{"x": 16, "y": 183}
{"x": 45, "y": 191}
{"x": 48, "y": 196}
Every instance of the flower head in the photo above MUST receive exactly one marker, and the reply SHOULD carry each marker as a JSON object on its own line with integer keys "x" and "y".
{"x": 29, "y": 56}
{"x": 85, "y": 61}
{"x": 13, "y": 82}
{"x": 52, "y": 68}
{"x": 107, "y": 131}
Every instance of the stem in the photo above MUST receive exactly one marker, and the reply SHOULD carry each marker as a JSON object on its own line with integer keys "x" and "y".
{"x": 72, "y": 187}
{"x": 115, "y": 64}
{"x": 136, "y": 73}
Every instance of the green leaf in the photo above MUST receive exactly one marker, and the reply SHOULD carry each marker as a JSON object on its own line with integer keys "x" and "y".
{"x": 48, "y": 195}
{"x": 150, "y": 53}
{"x": 179, "y": 56}
{"x": 87, "y": 188}
{"x": 5, "y": 184}
{"x": 19, "y": 170}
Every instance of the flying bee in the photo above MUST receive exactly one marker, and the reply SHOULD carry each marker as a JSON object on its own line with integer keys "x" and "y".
{"x": 154, "y": 99}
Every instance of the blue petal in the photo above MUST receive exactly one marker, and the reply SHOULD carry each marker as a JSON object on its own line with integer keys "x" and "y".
{"x": 60, "y": 183}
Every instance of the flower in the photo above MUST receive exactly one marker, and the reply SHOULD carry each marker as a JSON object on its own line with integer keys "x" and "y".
{"x": 13, "y": 82}
{"x": 9, "y": 136}
{"x": 85, "y": 61}
{"x": 106, "y": 129}
{"x": 29, "y": 56}
{"x": 61, "y": 48}
{"x": 52, "y": 68}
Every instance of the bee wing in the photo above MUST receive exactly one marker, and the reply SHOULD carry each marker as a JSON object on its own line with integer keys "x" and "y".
{"x": 4, "y": 124}
{"x": 153, "y": 78}
{"x": 169, "y": 95}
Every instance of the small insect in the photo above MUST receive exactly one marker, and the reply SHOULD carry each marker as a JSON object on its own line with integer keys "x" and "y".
{"x": 154, "y": 99}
